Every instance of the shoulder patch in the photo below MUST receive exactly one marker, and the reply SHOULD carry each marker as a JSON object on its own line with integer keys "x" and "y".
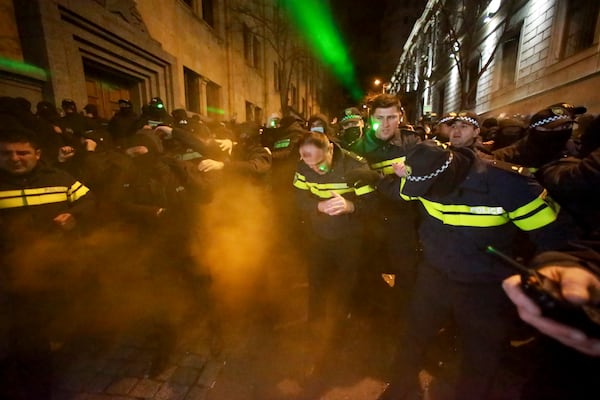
{"x": 509, "y": 167}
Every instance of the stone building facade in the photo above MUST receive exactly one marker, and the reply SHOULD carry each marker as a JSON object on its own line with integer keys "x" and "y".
{"x": 194, "y": 54}
{"x": 516, "y": 57}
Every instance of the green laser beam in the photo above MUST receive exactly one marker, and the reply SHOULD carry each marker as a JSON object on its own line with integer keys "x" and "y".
{"x": 313, "y": 19}
{"x": 22, "y": 67}
{"x": 215, "y": 110}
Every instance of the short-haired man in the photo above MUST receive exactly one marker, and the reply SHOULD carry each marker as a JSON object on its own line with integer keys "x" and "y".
{"x": 392, "y": 227}
{"x": 464, "y": 129}
{"x": 467, "y": 204}
{"x": 37, "y": 204}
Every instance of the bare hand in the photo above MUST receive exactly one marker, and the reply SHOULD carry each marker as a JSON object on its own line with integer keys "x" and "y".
{"x": 399, "y": 169}
{"x": 578, "y": 286}
{"x": 225, "y": 145}
{"x": 164, "y": 132}
{"x": 65, "y": 221}
{"x": 90, "y": 145}
{"x": 65, "y": 152}
{"x": 336, "y": 205}
{"x": 210, "y": 165}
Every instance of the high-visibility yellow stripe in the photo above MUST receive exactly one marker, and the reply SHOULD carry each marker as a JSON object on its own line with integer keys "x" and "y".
{"x": 32, "y": 200}
{"x": 360, "y": 191}
{"x": 536, "y": 214}
{"x": 77, "y": 191}
{"x": 323, "y": 190}
{"x": 386, "y": 166}
{"x": 32, "y": 191}
{"x": 40, "y": 196}
{"x": 461, "y": 215}
{"x": 402, "y": 195}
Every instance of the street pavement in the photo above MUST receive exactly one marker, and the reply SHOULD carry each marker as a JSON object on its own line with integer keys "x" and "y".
{"x": 266, "y": 355}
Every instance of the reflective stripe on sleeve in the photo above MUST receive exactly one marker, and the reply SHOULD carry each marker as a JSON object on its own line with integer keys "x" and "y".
{"x": 77, "y": 191}
{"x": 33, "y": 197}
{"x": 535, "y": 214}
{"x": 386, "y": 166}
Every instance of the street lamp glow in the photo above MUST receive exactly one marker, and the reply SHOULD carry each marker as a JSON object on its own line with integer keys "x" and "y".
{"x": 377, "y": 82}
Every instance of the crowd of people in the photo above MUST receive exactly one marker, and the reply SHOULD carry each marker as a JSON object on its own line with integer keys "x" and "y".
{"x": 361, "y": 200}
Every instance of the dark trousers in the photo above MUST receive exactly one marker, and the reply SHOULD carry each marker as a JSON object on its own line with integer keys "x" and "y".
{"x": 332, "y": 276}
{"x": 484, "y": 319}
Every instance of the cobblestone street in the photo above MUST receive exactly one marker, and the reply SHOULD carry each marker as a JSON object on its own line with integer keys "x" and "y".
{"x": 264, "y": 357}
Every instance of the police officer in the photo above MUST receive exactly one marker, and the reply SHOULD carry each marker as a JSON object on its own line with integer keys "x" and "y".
{"x": 549, "y": 131}
{"x": 331, "y": 210}
{"x": 391, "y": 232}
{"x": 467, "y": 203}
{"x": 351, "y": 127}
{"x": 72, "y": 123}
{"x": 38, "y": 205}
{"x": 122, "y": 125}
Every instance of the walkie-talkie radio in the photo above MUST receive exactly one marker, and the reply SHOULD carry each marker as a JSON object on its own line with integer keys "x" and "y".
{"x": 545, "y": 292}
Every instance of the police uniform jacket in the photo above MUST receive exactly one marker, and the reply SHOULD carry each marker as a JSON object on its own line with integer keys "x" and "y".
{"x": 491, "y": 205}
{"x": 575, "y": 184}
{"x": 311, "y": 188}
{"x": 29, "y": 203}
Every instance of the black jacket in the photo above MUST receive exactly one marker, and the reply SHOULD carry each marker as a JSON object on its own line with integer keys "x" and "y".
{"x": 311, "y": 188}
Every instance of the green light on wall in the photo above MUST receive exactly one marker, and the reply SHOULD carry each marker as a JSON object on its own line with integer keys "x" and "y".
{"x": 314, "y": 21}
{"x": 22, "y": 68}
{"x": 215, "y": 110}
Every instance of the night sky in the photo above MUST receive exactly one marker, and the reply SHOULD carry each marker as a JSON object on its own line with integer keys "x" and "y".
{"x": 375, "y": 32}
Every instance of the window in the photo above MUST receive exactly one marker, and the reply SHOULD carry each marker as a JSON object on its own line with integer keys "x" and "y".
{"x": 208, "y": 12}
{"x": 293, "y": 95}
{"x": 249, "y": 111}
{"x": 247, "y": 43}
{"x": 192, "y": 90}
{"x": 580, "y": 26}
{"x": 258, "y": 115}
{"x": 252, "y": 48}
{"x": 441, "y": 98}
{"x": 472, "y": 80}
{"x": 213, "y": 100}
{"x": 508, "y": 63}
{"x": 256, "y": 53}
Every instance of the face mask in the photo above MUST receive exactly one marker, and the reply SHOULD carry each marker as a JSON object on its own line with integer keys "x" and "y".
{"x": 318, "y": 129}
{"x": 350, "y": 135}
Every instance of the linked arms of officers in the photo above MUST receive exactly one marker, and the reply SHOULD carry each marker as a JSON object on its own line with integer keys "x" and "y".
{"x": 578, "y": 276}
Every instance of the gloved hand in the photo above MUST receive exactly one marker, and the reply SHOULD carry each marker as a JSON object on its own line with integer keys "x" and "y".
{"x": 362, "y": 176}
